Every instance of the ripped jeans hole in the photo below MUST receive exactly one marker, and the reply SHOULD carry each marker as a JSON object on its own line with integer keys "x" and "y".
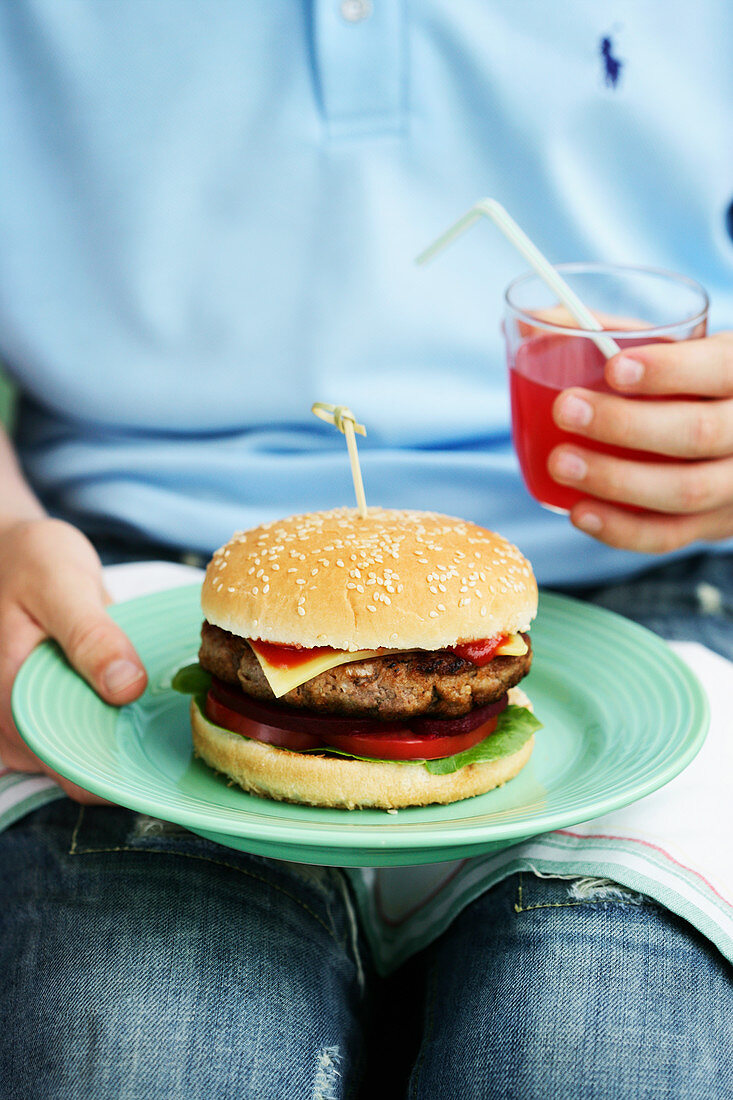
{"x": 575, "y": 890}
{"x": 325, "y": 1086}
{"x": 603, "y": 889}
{"x": 144, "y": 825}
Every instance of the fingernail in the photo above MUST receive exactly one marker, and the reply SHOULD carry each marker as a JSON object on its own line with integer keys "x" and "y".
{"x": 589, "y": 522}
{"x": 626, "y": 371}
{"x": 570, "y": 466}
{"x": 121, "y": 674}
{"x": 574, "y": 412}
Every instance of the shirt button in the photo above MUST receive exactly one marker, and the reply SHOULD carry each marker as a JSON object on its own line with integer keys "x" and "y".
{"x": 354, "y": 11}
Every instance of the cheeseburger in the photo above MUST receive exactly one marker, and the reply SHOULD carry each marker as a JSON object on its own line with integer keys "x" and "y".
{"x": 353, "y": 661}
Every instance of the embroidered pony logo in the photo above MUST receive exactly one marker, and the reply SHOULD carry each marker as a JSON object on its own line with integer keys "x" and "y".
{"x": 612, "y": 65}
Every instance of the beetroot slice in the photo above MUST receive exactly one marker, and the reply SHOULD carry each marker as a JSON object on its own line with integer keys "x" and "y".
{"x": 465, "y": 724}
{"x": 303, "y": 721}
{"x": 291, "y": 718}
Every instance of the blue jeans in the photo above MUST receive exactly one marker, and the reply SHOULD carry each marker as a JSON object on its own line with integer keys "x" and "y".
{"x": 148, "y": 965}
{"x": 536, "y": 994}
{"x": 153, "y": 965}
{"x": 140, "y": 962}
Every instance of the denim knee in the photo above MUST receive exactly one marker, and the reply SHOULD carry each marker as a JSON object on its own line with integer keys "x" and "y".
{"x": 145, "y": 962}
{"x": 547, "y": 987}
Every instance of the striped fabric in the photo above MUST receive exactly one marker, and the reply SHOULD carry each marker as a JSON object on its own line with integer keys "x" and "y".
{"x": 396, "y": 932}
{"x": 20, "y": 793}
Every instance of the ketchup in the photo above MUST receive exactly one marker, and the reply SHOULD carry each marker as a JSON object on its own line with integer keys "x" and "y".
{"x": 288, "y": 656}
{"x": 481, "y": 652}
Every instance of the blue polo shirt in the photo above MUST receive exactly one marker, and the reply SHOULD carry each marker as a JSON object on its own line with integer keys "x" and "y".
{"x": 209, "y": 214}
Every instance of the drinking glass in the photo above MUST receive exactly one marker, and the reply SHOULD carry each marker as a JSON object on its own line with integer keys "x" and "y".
{"x": 547, "y": 353}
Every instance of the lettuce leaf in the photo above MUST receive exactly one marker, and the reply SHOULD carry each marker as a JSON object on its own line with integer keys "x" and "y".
{"x": 192, "y": 680}
{"x": 329, "y": 750}
{"x": 515, "y": 727}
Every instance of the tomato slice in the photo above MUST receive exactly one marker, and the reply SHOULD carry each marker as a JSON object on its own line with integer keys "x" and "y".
{"x": 222, "y": 715}
{"x": 394, "y": 744}
{"x": 410, "y": 745}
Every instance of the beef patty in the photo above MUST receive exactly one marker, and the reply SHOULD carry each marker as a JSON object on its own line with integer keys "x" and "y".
{"x": 439, "y": 682}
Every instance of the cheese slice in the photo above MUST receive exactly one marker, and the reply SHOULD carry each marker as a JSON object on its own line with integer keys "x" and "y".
{"x": 283, "y": 680}
{"x": 514, "y": 646}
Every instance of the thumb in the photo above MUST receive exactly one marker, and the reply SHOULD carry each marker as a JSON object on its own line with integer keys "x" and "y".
{"x": 94, "y": 644}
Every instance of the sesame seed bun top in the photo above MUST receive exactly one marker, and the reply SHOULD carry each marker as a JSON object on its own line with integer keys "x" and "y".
{"x": 395, "y": 579}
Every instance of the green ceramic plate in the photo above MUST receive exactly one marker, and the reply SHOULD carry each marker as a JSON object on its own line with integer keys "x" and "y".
{"x": 622, "y": 715}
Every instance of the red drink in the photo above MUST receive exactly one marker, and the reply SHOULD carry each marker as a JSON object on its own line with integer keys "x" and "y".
{"x": 545, "y": 365}
{"x": 547, "y": 354}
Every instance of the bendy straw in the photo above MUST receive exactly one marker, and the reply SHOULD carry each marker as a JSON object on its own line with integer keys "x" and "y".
{"x": 499, "y": 216}
{"x": 344, "y": 419}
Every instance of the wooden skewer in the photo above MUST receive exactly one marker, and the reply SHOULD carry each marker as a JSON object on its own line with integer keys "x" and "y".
{"x": 343, "y": 418}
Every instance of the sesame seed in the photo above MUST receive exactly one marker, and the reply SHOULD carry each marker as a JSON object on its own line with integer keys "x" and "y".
{"x": 433, "y": 614}
{"x": 433, "y": 589}
{"x": 371, "y": 607}
{"x": 300, "y": 581}
{"x": 301, "y": 611}
{"x": 255, "y": 590}
{"x": 266, "y": 589}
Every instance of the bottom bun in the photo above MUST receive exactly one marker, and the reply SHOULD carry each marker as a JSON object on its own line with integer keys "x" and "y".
{"x": 342, "y": 783}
